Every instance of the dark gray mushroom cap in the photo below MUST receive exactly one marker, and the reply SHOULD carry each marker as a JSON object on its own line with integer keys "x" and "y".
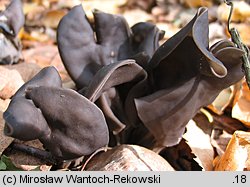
{"x": 186, "y": 75}
{"x": 81, "y": 54}
{"x": 12, "y": 18}
{"x": 67, "y": 123}
{"x": 77, "y": 126}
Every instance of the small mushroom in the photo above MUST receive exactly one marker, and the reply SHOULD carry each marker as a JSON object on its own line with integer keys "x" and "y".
{"x": 11, "y": 21}
{"x": 67, "y": 123}
{"x": 185, "y": 75}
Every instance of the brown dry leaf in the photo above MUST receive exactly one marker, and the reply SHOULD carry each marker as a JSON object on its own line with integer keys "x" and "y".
{"x": 140, "y": 15}
{"x": 46, "y": 55}
{"x": 241, "y": 11}
{"x": 197, "y": 3}
{"x": 67, "y": 3}
{"x": 241, "y": 106}
{"x": 169, "y": 30}
{"x": 3, "y": 4}
{"x": 200, "y": 144}
{"x": 237, "y": 154}
{"x": 128, "y": 158}
{"x": 4, "y": 104}
{"x": 35, "y": 36}
{"x": 219, "y": 140}
{"x": 222, "y": 101}
{"x": 244, "y": 30}
{"x": 52, "y": 18}
{"x": 10, "y": 82}
{"x": 5, "y": 141}
{"x": 33, "y": 13}
{"x": 26, "y": 70}
{"x": 110, "y": 6}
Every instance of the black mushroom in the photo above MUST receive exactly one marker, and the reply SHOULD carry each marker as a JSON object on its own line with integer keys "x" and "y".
{"x": 129, "y": 90}
{"x": 11, "y": 21}
{"x": 185, "y": 75}
{"x": 68, "y": 124}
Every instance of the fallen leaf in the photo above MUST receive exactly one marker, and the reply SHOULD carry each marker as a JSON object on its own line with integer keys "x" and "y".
{"x": 241, "y": 106}
{"x": 241, "y": 11}
{"x": 200, "y": 144}
{"x": 197, "y": 3}
{"x": 10, "y": 82}
{"x": 36, "y": 36}
{"x": 53, "y": 17}
{"x": 237, "y": 154}
{"x": 110, "y": 6}
{"x": 26, "y": 70}
{"x": 4, "y": 104}
{"x": 140, "y": 15}
{"x": 46, "y": 55}
{"x": 128, "y": 158}
{"x": 222, "y": 101}
{"x": 220, "y": 140}
{"x": 243, "y": 29}
{"x": 181, "y": 157}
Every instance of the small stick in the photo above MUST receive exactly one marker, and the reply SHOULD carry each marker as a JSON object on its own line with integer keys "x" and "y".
{"x": 41, "y": 154}
{"x": 238, "y": 42}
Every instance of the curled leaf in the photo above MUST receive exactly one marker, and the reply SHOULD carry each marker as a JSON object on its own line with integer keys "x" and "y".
{"x": 237, "y": 154}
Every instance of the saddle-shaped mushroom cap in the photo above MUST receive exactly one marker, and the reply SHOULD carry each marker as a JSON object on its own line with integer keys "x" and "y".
{"x": 67, "y": 123}
{"x": 186, "y": 75}
{"x": 77, "y": 125}
{"x": 81, "y": 53}
{"x": 85, "y": 50}
{"x": 22, "y": 117}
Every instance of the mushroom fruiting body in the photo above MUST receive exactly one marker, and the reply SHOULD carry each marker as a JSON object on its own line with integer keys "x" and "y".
{"x": 67, "y": 123}
{"x": 11, "y": 21}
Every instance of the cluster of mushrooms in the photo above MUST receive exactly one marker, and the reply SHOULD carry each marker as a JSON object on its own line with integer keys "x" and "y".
{"x": 129, "y": 90}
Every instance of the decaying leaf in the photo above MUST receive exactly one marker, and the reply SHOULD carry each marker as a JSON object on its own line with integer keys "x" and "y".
{"x": 10, "y": 82}
{"x": 220, "y": 140}
{"x": 197, "y": 3}
{"x": 240, "y": 14}
{"x": 26, "y": 70}
{"x": 181, "y": 157}
{"x": 200, "y": 145}
{"x": 222, "y": 100}
{"x": 237, "y": 154}
{"x": 241, "y": 106}
{"x": 128, "y": 158}
{"x": 46, "y": 55}
{"x": 52, "y": 18}
{"x": 243, "y": 29}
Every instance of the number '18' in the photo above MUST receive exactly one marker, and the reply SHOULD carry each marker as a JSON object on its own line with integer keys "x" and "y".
{"x": 241, "y": 178}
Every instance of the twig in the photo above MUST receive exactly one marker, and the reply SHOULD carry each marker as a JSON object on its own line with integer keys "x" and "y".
{"x": 237, "y": 40}
{"x": 41, "y": 154}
